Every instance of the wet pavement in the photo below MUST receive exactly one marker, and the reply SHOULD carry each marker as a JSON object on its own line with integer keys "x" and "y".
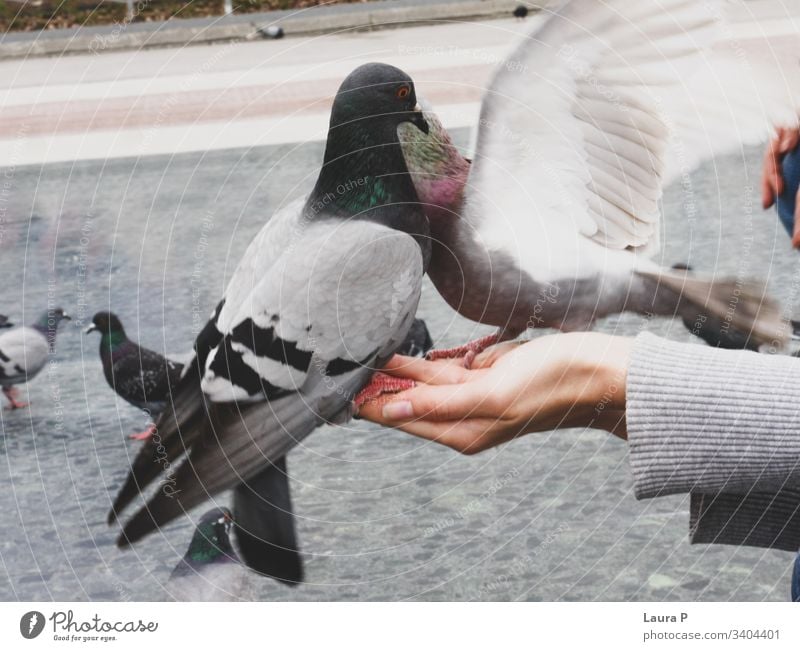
{"x": 381, "y": 515}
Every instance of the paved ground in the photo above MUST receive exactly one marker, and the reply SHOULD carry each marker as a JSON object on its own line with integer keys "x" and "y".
{"x": 381, "y": 515}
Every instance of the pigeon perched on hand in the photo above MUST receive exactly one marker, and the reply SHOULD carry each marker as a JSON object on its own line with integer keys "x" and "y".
{"x": 552, "y": 223}
{"x": 4, "y": 322}
{"x": 210, "y": 570}
{"x": 24, "y": 352}
{"x": 140, "y": 376}
{"x": 323, "y": 296}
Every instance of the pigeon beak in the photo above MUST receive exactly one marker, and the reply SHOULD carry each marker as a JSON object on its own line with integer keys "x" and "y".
{"x": 90, "y": 328}
{"x": 418, "y": 119}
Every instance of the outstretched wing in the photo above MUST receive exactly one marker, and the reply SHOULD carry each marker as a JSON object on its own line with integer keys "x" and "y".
{"x": 294, "y": 352}
{"x": 576, "y": 125}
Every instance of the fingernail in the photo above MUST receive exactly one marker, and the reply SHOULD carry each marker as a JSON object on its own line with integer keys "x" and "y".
{"x": 399, "y": 410}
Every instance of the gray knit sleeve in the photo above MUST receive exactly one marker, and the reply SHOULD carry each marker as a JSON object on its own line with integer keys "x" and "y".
{"x": 723, "y": 426}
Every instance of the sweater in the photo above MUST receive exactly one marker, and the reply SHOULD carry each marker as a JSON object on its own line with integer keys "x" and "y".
{"x": 724, "y": 426}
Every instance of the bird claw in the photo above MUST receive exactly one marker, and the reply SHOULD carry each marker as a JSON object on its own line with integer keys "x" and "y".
{"x": 11, "y": 395}
{"x": 381, "y": 384}
{"x": 146, "y": 435}
{"x": 468, "y": 351}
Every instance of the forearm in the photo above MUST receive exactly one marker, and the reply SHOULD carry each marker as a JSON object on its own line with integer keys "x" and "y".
{"x": 705, "y": 420}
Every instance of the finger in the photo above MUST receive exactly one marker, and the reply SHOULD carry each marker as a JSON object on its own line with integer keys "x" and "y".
{"x": 489, "y": 356}
{"x": 421, "y": 370}
{"x": 796, "y": 231}
{"x": 441, "y": 403}
{"x": 767, "y": 191}
{"x": 468, "y": 436}
{"x": 788, "y": 140}
{"x": 769, "y": 179}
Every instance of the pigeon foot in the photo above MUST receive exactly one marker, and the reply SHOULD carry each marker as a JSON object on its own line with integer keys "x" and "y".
{"x": 146, "y": 435}
{"x": 11, "y": 394}
{"x": 468, "y": 351}
{"x": 380, "y": 385}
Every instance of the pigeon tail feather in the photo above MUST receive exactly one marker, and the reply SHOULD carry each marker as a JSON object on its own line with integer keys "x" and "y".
{"x": 730, "y": 303}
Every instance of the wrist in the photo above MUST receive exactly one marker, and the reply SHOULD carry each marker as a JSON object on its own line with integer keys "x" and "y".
{"x": 604, "y": 372}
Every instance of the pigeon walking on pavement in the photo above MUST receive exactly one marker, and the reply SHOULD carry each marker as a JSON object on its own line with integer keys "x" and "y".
{"x": 140, "y": 376}
{"x": 210, "y": 570}
{"x": 553, "y": 222}
{"x": 323, "y": 296}
{"x": 24, "y": 352}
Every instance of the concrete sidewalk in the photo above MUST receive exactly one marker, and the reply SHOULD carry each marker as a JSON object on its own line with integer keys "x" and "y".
{"x": 247, "y": 94}
{"x": 171, "y": 100}
{"x": 237, "y": 27}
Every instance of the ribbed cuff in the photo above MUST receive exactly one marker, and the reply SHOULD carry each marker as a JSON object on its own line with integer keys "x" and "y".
{"x": 706, "y": 420}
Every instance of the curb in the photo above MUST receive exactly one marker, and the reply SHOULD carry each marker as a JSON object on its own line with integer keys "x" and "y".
{"x": 315, "y": 20}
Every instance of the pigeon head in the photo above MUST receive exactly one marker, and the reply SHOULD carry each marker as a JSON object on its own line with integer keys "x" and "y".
{"x": 364, "y": 173}
{"x": 107, "y": 323}
{"x": 4, "y": 322}
{"x": 379, "y": 95}
{"x": 48, "y": 323}
{"x": 211, "y": 540}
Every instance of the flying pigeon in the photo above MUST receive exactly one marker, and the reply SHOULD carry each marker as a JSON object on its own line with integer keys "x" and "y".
{"x": 4, "y": 322}
{"x": 24, "y": 351}
{"x": 323, "y": 296}
{"x": 140, "y": 376}
{"x": 553, "y": 222}
{"x": 210, "y": 570}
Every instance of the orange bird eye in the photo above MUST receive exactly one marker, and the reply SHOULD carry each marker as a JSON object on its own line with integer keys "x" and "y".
{"x": 403, "y": 92}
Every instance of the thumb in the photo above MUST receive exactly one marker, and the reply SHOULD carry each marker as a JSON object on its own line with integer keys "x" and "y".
{"x": 448, "y": 402}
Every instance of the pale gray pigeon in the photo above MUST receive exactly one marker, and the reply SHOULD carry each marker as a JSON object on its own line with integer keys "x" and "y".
{"x": 553, "y": 222}
{"x": 24, "y": 352}
{"x": 325, "y": 293}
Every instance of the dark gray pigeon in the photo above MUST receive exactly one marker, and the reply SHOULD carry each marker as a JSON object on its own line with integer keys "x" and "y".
{"x": 324, "y": 295}
{"x": 553, "y": 222}
{"x": 140, "y": 376}
{"x": 4, "y": 322}
{"x": 210, "y": 570}
{"x": 24, "y": 352}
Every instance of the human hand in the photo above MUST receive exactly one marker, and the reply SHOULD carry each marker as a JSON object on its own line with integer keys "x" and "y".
{"x": 772, "y": 183}
{"x": 556, "y": 381}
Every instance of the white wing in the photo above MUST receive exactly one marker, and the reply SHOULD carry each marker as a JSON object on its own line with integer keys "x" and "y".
{"x": 575, "y": 129}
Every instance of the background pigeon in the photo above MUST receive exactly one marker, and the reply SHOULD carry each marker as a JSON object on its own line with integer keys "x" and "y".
{"x": 210, "y": 569}
{"x": 4, "y": 322}
{"x": 140, "y": 376}
{"x": 559, "y": 210}
{"x": 24, "y": 351}
{"x": 520, "y": 12}
{"x": 325, "y": 293}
